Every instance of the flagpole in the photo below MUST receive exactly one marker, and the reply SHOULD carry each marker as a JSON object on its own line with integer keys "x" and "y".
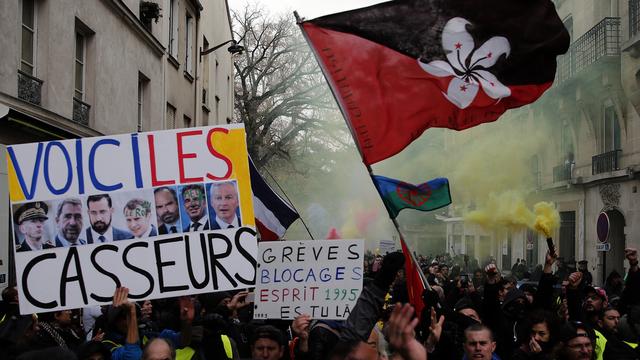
{"x": 355, "y": 138}
{"x": 289, "y": 200}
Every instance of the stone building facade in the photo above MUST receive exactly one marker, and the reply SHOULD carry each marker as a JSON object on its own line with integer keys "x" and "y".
{"x": 592, "y": 162}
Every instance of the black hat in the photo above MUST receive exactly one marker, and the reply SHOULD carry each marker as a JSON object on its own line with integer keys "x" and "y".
{"x": 268, "y": 332}
{"x": 512, "y": 296}
{"x": 464, "y": 303}
{"x": 570, "y": 331}
{"x": 582, "y": 262}
{"x": 31, "y": 211}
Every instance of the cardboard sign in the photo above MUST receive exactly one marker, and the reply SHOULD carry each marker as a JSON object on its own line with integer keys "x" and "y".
{"x": 4, "y": 222}
{"x": 165, "y": 213}
{"x": 322, "y": 278}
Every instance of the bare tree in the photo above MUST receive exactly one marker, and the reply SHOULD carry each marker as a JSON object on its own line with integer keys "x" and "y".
{"x": 280, "y": 93}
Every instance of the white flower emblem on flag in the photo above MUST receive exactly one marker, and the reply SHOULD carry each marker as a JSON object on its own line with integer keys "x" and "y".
{"x": 468, "y": 66}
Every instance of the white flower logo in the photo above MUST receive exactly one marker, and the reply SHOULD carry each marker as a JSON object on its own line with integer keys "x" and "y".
{"x": 468, "y": 67}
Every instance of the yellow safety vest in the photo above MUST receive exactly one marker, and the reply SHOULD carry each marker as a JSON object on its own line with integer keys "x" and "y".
{"x": 114, "y": 345}
{"x": 601, "y": 343}
{"x": 633, "y": 345}
{"x": 187, "y": 352}
{"x": 226, "y": 342}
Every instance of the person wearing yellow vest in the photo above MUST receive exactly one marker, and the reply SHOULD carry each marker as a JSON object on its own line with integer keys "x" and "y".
{"x": 576, "y": 342}
{"x": 123, "y": 320}
{"x": 613, "y": 347}
{"x": 159, "y": 349}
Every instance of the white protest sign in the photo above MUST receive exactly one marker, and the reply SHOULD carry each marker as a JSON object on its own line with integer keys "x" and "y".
{"x": 141, "y": 210}
{"x": 322, "y": 278}
{"x": 387, "y": 246}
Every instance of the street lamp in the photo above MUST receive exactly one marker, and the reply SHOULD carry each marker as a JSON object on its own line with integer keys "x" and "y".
{"x": 233, "y": 49}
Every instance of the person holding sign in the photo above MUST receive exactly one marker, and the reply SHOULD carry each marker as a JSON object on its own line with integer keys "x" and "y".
{"x": 137, "y": 213}
{"x": 100, "y": 213}
{"x": 30, "y": 218}
{"x": 224, "y": 201}
{"x": 167, "y": 210}
{"x": 194, "y": 203}
{"x": 69, "y": 220}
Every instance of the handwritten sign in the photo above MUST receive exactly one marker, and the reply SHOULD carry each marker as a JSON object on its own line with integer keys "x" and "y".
{"x": 165, "y": 213}
{"x": 322, "y": 278}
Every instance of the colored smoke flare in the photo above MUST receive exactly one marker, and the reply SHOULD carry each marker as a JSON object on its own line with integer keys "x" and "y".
{"x": 509, "y": 210}
{"x": 547, "y": 218}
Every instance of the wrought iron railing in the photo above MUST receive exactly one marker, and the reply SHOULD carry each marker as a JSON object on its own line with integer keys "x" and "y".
{"x": 562, "y": 172}
{"x": 603, "y": 40}
{"x": 29, "y": 88}
{"x": 634, "y": 17}
{"x": 81, "y": 111}
{"x": 605, "y": 162}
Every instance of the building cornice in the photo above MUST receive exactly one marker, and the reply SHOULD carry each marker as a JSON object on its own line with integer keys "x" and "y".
{"x": 121, "y": 9}
{"x": 48, "y": 117}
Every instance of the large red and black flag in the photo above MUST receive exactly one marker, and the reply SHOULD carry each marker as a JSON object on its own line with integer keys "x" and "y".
{"x": 400, "y": 67}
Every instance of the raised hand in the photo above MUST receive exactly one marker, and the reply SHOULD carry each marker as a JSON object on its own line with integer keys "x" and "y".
{"x": 400, "y": 333}
{"x": 575, "y": 279}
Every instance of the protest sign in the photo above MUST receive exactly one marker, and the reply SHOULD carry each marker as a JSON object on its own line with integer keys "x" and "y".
{"x": 165, "y": 213}
{"x": 4, "y": 222}
{"x": 387, "y": 246}
{"x": 322, "y": 278}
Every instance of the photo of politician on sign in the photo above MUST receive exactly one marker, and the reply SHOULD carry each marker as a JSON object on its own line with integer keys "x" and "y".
{"x": 30, "y": 218}
{"x": 194, "y": 208}
{"x": 69, "y": 223}
{"x": 167, "y": 210}
{"x": 137, "y": 213}
{"x": 224, "y": 208}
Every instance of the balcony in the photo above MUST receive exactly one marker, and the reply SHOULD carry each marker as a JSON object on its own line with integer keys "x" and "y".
{"x": 562, "y": 172}
{"x": 634, "y": 17}
{"x": 81, "y": 112}
{"x": 602, "y": 41}
{"x": 605, "y": 162}
{"x": 29, "y": 88}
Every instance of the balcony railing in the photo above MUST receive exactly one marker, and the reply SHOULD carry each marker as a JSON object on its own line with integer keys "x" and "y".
{"x": 81, "y": 112}
{"x": 603, "y": 40}
{"x": 634, "y": 17}
{"x": 605, "y": 162}
{"x": 29, "y": 88}
{"x": 562, "y": 172}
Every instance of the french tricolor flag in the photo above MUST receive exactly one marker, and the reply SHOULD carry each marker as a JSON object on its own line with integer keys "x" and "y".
{"x": 273, "y": 214}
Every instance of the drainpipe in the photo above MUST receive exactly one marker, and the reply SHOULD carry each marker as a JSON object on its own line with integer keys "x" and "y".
{"x": 196, "y": 75}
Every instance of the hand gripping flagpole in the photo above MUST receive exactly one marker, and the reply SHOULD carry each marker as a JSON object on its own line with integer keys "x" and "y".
{"x": 341, "y": 106}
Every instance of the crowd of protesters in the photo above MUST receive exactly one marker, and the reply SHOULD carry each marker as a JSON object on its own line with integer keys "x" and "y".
{"x": 469, "y": 313}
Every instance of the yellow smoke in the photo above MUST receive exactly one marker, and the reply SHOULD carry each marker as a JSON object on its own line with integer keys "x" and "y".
{"x": 509, "y": 210}
{"x": 547, "y": 218}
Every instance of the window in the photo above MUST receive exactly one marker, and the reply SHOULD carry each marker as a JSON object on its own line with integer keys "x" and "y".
{"x": 79, "y": 73}
{"x": 567, "y": 238}
{"x": 143, "y": 97}
{"x": 173, "y": 28}
{"x": 217, "y": 108}
{"x": 27, "y": 58}
{"x": 610, "y": 129}
{"x": 566, "y": 141}
{"x": 186, "y": 121}
{"x": 171, "y": 116}
{"x": 205, "y": 73}
{"x": 189, "y": 44}
{"x": 568, "y": 24}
